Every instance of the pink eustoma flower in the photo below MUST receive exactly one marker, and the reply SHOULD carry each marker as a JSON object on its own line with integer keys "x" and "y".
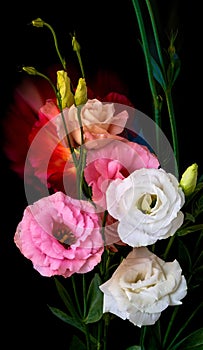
{"x": 60, "y": 235}
{"x": 114, "y": 159}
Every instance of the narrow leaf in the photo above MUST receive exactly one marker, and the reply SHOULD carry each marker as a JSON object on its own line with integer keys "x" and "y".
{"x": 198, "y": 274}
{"x": 94, "y": 301}
{"x": 184, "y": 255}
{"x": 77, "y": 343}
{"x": 66, "y": 298}
{"x": 67, "y": 319}
{"x": 157, "y": 73}
{"x": 193, "y": 341}
{"x": 190, "y": 229}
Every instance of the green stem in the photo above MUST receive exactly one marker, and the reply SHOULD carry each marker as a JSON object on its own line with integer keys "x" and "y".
{"x": 169, "y": 326}
{"x": 103, "y": 225}
{"x": 170, "y": 242}
{"x": 66, "y": 132}
{"x": 56, "y": 44}
{"x": 84, "y": 295}
{"x": 171, "y": 113}
{"x": 68, "y": 139}
{"x": 87, "y": 338}
{"x": 76, "y": 48}
{"x": 76, "y": 295}
{"x": 80, "y": 63}
{"x": 166, "y": 91}
{"x": 155, "y": 97}
{"x": 142, "y": 337}
{"x": 156, "y": 36}
{"x": 106, "y": 326}
{"x": 100, "y": 324}
{"x": 82, "y": 159}
{"x": 146, "y": 51}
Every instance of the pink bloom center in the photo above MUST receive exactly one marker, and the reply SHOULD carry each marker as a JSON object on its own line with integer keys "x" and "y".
{"x": 63, "y": 234}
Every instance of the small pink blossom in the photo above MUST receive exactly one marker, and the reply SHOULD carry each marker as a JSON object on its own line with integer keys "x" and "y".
{"x": 114, "y": 159}
{"x": 60, "y": 235}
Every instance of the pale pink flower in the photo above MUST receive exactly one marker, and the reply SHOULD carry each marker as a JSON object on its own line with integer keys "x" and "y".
{"x": 60, "y": 235}
{"x": 114, "y": 159}
{"x": 98, "y": 119}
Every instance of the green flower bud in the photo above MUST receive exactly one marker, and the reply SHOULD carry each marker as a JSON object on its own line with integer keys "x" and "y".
{"x": 30, "y": 70}
{"x": 38, "y": 23}
{"x": 189, "y": 179}
{"x": 75, "y": 44}
{"x": 81, "y": 92}
{"x": 63, "y": 86}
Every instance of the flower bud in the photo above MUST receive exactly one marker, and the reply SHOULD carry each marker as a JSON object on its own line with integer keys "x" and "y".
{"x": 38, "y": 23}
{"x": 30, "y": 70}
{"x": 189, "y": 179}
{"x": 81, "y": 92}
{"x": 75, "y": 44}
{"x": 63, "y": 85}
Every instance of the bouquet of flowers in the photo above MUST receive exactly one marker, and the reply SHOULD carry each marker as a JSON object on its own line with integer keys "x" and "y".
{"x": 108, "y": 214}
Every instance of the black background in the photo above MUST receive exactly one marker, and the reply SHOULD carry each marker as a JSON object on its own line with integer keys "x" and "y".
{"x": 108, "y": 34}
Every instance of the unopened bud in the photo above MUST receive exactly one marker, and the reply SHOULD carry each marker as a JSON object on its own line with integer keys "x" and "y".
{"x": 81, "y": 92}
{"x": 38, "y": 23}
{"x": 63, "y": 86}
{"x": 30, "y": 70}
{"x": 75, "y": 44}
{"x": 189, "y": 179}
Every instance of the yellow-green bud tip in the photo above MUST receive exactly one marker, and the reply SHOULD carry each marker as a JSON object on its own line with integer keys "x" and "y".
{"x": 30, "y": 70}
{"x": 188, "y": 180}
{"x": 75, "y": 44}
{"x": 38, "y": 22}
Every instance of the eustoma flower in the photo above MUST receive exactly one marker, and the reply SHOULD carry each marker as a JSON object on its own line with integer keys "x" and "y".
{"x": 143, "y": 286}
{"x": 116, "y": 158}
{"x": 60, "y": 235}
{"x": 98, "y": 121}
{"x": 147, "y": 205}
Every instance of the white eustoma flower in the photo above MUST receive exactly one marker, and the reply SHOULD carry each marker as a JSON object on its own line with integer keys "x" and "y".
{"x": 147, "y": 205}
{"x": 142, "y": 287}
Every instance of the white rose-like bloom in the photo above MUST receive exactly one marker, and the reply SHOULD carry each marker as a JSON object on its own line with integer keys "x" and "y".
{"x": 142, "y": 287}
{"x": 147, "y": 205}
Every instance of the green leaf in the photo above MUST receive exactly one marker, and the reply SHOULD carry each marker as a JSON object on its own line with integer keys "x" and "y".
{"x": 157, "y": 73}
{"x": 198, "y": 206}
{"x": 198, "y": 274}
{"x": 94, "y": 301}
{"x": 173, "y": 69}
{"x": 76, "y": 343}
{"x": 66, "y": 298}
{"x": 193, "y": 341}
{"x": 190, "y": 229}
{"x": 134, "y": 347}
{"x": 189, "y": 217}
{"x": 71, "y": 320}
{"x": 151, "y": 337}
{"x": 184, "y": 255}
{"x": 183, "y": 327}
